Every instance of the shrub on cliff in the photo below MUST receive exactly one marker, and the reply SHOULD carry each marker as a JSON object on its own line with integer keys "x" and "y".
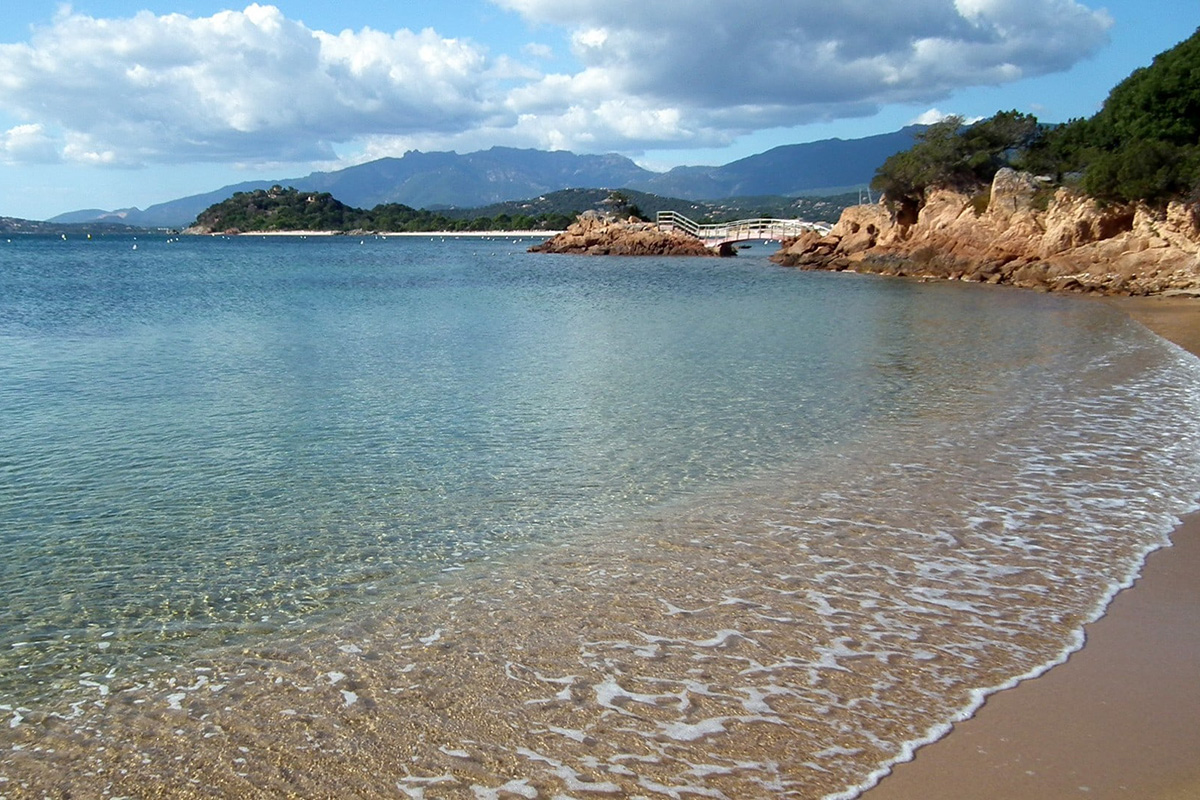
{"x": 1144, "y": 145}
{"x": 952, "y": 154}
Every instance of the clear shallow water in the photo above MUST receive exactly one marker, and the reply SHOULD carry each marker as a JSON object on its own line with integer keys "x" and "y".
{"x": 443, "y": 517}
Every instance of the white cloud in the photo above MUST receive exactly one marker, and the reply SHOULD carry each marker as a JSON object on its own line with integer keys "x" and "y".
{"x": 934, "y": 116}
{"x": 591, "y": 39}
{"x": 796, "y": 61}
{"x": 930, "y": 117}
{"x": 82, "y": 149}
{"x": 241, "y": 84}
{"x": 254, "y": 86}
{"x": 542, "y": 52}
{"x": 27, "y": 144}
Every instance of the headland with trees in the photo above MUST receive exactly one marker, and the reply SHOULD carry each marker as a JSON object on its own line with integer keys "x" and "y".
{"x": 1107, "y": 204}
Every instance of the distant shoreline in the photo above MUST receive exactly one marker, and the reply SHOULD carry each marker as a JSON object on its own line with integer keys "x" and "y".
{"x": 527, "y": 234}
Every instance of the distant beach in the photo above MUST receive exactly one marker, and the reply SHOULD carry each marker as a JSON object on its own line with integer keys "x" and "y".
{"x": 1119, "y": 719}
{"x": 420, "y": 234}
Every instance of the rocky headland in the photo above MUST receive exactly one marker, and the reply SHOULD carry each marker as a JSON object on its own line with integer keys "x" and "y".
{"x": 595, "y": 234}
{"x": 1021, "y": 233}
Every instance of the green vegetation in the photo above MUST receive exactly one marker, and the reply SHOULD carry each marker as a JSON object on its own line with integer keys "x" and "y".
{"x": 284, "y": 209}
{"x": 570, "y": 202}
{"x": 1144, "y": 145}
{"x": 951, "y": 155}
{"x": 280, "y": 209}
{"x": 620, "y": 205}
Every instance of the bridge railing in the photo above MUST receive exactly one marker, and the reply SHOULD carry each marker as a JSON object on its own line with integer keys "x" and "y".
{"x": 740, "y": 230}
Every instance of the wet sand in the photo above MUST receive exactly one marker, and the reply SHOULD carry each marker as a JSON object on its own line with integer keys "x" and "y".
{"x": 1121, "y": 718}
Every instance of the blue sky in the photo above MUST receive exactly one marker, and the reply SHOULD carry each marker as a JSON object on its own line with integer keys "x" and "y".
{"x": 116, "y": 103}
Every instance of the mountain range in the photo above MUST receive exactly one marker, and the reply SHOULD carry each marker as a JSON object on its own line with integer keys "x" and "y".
{"x": 445, "y": 180}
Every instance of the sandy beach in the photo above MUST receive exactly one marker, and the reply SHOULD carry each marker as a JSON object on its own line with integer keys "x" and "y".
{"x": 1121, "y": 718}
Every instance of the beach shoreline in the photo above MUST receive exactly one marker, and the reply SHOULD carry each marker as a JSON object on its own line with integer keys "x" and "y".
{"x": 1118, "y": 718}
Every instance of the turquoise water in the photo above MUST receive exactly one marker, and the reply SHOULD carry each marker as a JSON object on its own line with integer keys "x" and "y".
{"x": 205, "y": 431}
{"x": 217, "y": 446}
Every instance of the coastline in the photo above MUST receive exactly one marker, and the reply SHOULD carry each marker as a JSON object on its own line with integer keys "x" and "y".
{"x": 390, "y": 234}
{"x": 1072, "y": 244}
{"x": 1118, "y": 718}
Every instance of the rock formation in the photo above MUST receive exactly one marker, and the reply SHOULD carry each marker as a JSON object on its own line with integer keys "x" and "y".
{"x": 1018, "y": 234}
{"x": 596, "y": 235}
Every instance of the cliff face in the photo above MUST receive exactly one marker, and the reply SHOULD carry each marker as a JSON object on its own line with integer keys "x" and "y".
{"x": 594, "y": 235}
{"x": 1071, "y": 245}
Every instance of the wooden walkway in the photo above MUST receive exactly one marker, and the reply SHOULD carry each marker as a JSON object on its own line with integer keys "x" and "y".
{"x": 743, "y": 230}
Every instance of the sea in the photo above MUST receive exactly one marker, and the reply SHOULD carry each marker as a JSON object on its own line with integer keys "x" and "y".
{"x": 436, "y": 517}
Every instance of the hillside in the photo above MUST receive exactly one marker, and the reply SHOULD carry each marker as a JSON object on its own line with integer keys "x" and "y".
{"x": 788, "y": 171}
{"x": 284, "y": 209}
{"x": 172, "y": 214}
{"x": 449, "y": 181}
{"x": 287, "y": 209}
{"x": 570, "y": 202}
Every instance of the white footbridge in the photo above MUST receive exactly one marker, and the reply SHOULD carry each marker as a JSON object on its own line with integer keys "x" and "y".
{"x": 715, "y": 235}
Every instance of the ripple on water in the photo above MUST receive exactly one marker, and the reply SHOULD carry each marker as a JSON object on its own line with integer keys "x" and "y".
{"x": 784, "y": 631}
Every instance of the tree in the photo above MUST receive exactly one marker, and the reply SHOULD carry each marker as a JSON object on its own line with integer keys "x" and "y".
{"x": 1061, "y": 151}
{"x": 621, "y": 205}
{"x": 953, "y": 155}
{"x": 1150, "y": 170}
{"x": 1144, "y": 144}
{"x": 998, "y": 142}
{"x": 905, "y": 176}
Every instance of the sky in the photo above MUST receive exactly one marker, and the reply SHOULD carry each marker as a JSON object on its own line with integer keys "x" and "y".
{"x": 118, "y": 103}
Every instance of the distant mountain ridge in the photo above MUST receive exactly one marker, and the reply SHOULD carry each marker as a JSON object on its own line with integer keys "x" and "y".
{"x": 442, "y": 180}
{"x": 788, "y": 170}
